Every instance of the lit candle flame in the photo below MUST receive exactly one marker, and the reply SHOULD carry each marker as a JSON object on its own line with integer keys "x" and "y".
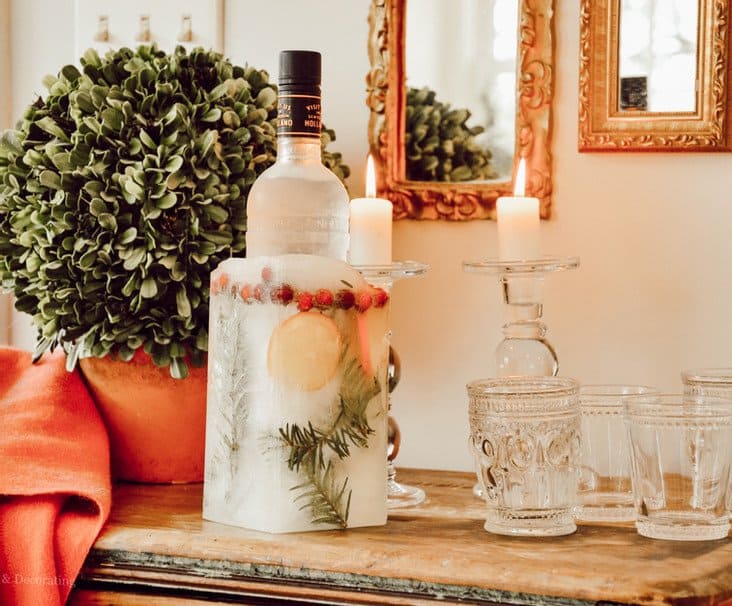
{"x": 519, "y": 185}
{"x": 370, "y": 178}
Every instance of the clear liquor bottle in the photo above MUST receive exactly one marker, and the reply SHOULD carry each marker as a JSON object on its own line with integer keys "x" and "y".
{"x": 298, "y": 205}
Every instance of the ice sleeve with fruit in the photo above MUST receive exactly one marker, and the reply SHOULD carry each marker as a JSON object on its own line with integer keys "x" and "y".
{"x": 297, "y": 400}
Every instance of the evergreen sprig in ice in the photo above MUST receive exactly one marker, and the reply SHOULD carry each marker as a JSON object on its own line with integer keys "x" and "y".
{"x": 121, "y": 191}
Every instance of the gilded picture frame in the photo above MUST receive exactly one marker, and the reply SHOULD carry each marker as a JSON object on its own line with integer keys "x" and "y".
{"x": 602, "y": 127}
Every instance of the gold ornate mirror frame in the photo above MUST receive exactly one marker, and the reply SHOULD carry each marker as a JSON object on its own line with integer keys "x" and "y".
{"x": 386, "y": 100}
{"x": 603, "y": 128}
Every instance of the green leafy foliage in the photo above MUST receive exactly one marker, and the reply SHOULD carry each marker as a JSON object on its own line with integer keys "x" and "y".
{"x": 440, "y": 146}
{"x": 331, "y": 159}
{"x": 123, "y": 188}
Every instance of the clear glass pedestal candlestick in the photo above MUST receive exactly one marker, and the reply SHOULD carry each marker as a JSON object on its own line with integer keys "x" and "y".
{"x": 524, "y": 350}
{"x": 398, "y": 495}
{"x": 384, "y": 276}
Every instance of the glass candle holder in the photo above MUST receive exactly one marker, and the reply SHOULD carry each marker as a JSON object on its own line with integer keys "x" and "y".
{"x": 398, "y": 495}
{"x": 525, "y": 436}
{"x": 524, "y": 349}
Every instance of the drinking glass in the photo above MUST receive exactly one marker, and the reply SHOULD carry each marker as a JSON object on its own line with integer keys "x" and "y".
{"x": 710, "y": 382}
{"x": 525, "y": 436}
{"x": 605, "y": 490}
{"x": 681, "y": 453}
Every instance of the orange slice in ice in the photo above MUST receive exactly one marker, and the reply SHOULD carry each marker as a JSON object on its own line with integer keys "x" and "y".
{"x": 304, "y": 351}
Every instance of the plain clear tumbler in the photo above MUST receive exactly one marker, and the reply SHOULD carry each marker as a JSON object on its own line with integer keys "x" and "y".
{"x": 710, "y": 382}
{"x": 681, "y": 453}
{"x": 605, "y": 491}
{"x": 525, "y": 436}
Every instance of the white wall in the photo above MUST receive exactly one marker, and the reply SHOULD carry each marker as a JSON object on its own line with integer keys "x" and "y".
{"x": 5, "y": 98}
{"x": 652, "y": 231}
{"x": 5, "y": 121}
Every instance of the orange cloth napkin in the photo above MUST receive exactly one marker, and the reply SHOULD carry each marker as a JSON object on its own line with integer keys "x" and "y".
{"x": 55, "y": 487}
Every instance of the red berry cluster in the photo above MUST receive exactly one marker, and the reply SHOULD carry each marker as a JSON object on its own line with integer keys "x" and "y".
{"x": 284, "y": 294}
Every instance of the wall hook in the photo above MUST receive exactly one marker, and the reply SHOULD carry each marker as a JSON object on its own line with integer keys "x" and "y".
{"x": 102, "y": 34}
{"x": 144, "y": 34}
{"x": 186, "y": 30}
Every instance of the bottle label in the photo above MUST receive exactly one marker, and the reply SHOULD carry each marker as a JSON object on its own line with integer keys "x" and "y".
{"x": 298, "y": 115}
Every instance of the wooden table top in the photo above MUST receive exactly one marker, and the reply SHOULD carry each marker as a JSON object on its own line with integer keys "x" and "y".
{"x": 157, "y": 540}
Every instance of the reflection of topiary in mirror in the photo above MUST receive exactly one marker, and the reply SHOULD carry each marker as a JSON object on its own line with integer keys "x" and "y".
{"x": 333, "y": 160}
{"x": 440, "y": 146}
{"x": 123, "y": 189}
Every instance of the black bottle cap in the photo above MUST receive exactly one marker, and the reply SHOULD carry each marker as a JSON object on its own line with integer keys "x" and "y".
{"x": 299, "y": 67}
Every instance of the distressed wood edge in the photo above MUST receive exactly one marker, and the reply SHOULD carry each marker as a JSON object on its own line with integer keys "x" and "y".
{"x": 385, "y": 98}
{"x": 599, "y": 129}
{"x": 226, "y": 578}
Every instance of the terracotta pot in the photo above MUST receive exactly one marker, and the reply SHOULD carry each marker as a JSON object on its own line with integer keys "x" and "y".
{"x": 156, "y": 423}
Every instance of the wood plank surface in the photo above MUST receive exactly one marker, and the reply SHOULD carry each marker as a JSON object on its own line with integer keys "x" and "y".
{"x": 86, "y": 597}
{"x": 436, "y": 551}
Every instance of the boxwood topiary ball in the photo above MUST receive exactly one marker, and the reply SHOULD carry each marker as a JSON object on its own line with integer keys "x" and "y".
{"x": 123, "y": 189}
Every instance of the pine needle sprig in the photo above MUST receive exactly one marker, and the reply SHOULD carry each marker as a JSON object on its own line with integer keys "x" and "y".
{"x": 350, "y": 428}
{"x": 328, "y": 501}
{"x": 230, "y": 384}
{"x": 304, "y": 444}
{"x": 308, "y": 447}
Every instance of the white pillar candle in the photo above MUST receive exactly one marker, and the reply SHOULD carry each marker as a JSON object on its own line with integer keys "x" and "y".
{"x": 370, "y": 225}
{"x": 518, "y": 222}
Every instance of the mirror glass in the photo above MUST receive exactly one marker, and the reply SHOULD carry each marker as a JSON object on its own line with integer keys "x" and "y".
{"x": 657, "y": 57}
{"x": 460, "y": 63}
